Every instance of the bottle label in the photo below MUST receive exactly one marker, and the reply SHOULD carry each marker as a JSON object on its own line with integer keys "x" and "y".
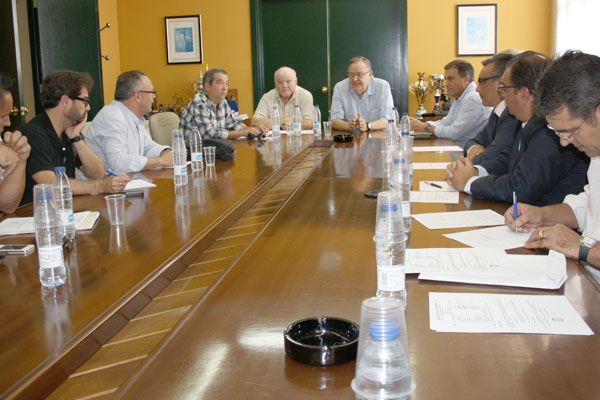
{"x": 50, "y": 257}
{"x": 405, "y": 209}
{"x": 297, "y": 126}
{"x": 197, "y": 156}
{"x": 180, "y": 169}
{"x": 276, "y": 128}
{"x": 66, "y": 217}
{"x": 390, "y": 278}
{"x": 317, "y": 127}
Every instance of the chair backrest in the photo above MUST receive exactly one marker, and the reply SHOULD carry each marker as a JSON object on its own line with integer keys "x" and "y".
{"x": 161, "y": 126}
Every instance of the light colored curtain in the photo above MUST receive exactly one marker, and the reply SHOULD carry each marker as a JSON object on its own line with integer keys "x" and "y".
{"x": 575, "y": 24}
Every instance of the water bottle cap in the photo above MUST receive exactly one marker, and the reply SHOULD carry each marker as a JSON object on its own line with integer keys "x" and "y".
{"x": 394, "y": 108}
{"x": 389, "y": 207}
{"x": 384, "y": 330}
{"x": 399, "y": 160}
{"x": 316, "y": 106}
{"x": 391, "y": 121}
{"x": 194, "y": 127}
{"x": 45, "y": 196}
{"x": 297, "y": 106}
{"x": 58, "y": 170}
{"x": 405, "y": 113}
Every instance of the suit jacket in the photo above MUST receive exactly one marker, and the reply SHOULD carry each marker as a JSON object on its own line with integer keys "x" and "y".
{"x": 535, "y": 166}
{"x": 496, "y": 135}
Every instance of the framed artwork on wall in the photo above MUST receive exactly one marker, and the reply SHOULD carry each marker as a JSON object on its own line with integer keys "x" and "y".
{"x": 184, "y": 39}
{"x": 476, "y": 29}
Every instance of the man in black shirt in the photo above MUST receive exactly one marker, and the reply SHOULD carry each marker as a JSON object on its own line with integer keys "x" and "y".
{"x": 56, "y": 140}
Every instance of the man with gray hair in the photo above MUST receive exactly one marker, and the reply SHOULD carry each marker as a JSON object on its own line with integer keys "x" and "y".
{"x": 209, "y": 111}
{"x": 117, "y": 133}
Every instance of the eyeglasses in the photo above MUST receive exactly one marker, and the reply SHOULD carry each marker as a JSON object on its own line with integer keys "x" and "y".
{"x": 567, "y": 134}
{"x": 504, "y": 87}
{"x": 352, "y": 75}
{"x": 86, "y": 101}
{"x": 483, "y": 80}
{"x": 148, "y": 91}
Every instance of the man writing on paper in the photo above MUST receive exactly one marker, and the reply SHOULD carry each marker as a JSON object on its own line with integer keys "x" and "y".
{"x": 500, "y": 130}
{"x": 14, "y": 152}
{"x": 117, "y": 133}
{"x": 287, "y": 95}
{"x": 361, "y": 102}
{"x": 55, "y": 137}
{"x": 535, "y": 166}
{"x": 568, "y": 95}
{"x": 467, "y": 116}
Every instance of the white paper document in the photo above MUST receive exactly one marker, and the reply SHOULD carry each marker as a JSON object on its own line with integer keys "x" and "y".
{"x": 429, "y": 186}
{"x": 304, "y": 132}
{"x": 137, "y": 184}
{"x": 15, "y": 226}
{"x": 434, "y": 197}
{"x": 460, "y": 219}
{"x": 504, "y": 313}
{"x": 430, "y": 165}
{"x": 488, "y": 267}
{"x": 498, "y": 236}
{"x": 418, "y": 149}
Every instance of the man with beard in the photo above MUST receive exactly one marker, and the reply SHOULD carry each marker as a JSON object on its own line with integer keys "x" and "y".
{"x": 56, "y": 140}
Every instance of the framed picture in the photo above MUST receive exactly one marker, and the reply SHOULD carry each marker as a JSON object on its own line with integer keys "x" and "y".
{"x": 476, "y": 29}
{"x": 184, "y": 39}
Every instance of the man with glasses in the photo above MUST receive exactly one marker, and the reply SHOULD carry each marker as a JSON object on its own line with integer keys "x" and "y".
{"x": 361, "y": 102}
{"x": 568, "y": 95}
{"x": 536, "y": 168}
{"x": 500, "y": 130}
{"x": 118, "y": 134}
{"x": 467, "y": 116}
{"x": 56, "y": 140}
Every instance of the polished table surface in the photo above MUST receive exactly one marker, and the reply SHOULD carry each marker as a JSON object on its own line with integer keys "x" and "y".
{"x": 316, "y": 258}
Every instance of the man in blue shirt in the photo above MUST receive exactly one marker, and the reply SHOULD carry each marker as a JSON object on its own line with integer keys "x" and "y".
{"x": 361, "y": 102}
{"x": 467, "y": 115}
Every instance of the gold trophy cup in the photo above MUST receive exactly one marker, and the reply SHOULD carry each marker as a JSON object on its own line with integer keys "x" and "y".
{"x": 420, "y": 90}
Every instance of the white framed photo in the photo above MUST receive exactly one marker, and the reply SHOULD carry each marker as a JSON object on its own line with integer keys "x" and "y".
{"x": 476, "y": 27}
{"x": 184, "y": 39}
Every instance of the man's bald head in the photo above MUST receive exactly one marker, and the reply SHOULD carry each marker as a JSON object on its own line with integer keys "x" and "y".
{"x": 285, "y": 82}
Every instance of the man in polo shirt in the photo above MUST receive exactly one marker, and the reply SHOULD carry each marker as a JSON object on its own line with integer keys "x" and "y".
{"x": 117, "y": 133}
{"x": 467, "y": 116}
{"x": 209, "y": 111}
{"x": 56, "y": 140}
{"x": 361, "y": 102}
{"x": 287, "y": 95}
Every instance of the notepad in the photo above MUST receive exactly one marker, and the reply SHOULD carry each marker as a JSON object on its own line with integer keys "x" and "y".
{"x": 460, "y": 219}
{"x": 137, "y": 184}
{"x": 16, "y": 226}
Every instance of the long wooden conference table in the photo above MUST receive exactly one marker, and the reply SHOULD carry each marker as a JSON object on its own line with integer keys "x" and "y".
{"x": 190, "y": 298}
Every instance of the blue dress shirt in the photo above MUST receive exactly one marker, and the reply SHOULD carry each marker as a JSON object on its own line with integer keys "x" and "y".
{"x": 375, "y": 104}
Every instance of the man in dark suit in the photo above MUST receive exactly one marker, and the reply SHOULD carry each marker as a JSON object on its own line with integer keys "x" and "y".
{"x": 535, "y": 167}
{"x": 500, "y": 130}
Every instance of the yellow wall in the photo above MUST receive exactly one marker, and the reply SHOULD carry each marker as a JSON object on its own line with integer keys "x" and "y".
{"x": 523, "y": 25}
{"x": 109, "y": 43}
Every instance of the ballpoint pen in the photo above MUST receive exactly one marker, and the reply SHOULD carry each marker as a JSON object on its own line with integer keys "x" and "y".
{"x": 108, "y": 171}
{"x": 433, "y": 184}
{"x": 516, "y": 213}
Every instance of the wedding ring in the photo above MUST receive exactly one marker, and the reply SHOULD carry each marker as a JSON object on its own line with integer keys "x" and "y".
{"x": 541, "y": 234}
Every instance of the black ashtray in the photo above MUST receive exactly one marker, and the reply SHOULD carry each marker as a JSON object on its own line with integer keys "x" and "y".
{"x": 327, "y": 342}
{"x": 343, "y": 138}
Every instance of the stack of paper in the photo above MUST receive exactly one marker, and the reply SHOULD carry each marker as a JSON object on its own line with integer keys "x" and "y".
{"x": 434, "y": 197}
{"x": 429, "y": 186}
{"x": 15, "y": 226}
{"x": 137, "y": 184}
{"x": 418, "y": 149}
{"x": 460, "y": 219}
{"x": 499, "y": 236}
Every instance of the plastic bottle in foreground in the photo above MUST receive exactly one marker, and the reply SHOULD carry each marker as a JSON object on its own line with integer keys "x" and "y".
{"x": 63, "y": 199}
{"x": 179, "y": 158}
{"x": 48, "y": 237}
{"x": 391, "y": 140}
{"x": 197, "y": 156}
{"x": 297, "y": 121}
{"x": 405, "y": 124}
{"x": 390, "y": 246}
{"x": 275, "y": 120}
{"x": 395, "y": 116}
{"x": 317, "y": 122}
{"x": 401, "y": 183}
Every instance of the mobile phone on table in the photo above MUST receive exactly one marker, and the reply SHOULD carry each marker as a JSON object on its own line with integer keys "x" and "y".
{"x": 372, "y": 194}
{"x": 16, "y": 249}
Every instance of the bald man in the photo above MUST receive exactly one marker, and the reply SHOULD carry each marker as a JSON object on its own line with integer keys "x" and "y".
{"x": 287, "y": 94}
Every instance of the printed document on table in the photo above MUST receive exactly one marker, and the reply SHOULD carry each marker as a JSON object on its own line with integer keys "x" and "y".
{"x": 304, "y": 132}
{"x": 15, "y": 226}
{"x": 434, "y": 197}
{"x": 504, "y": 313}
{"x": 460, "y": 219}
{"x": 500, "y": 236}
{"x": 418, "y": 149}
{"x": 430, "y": 165}
{"x": 136, "y": 184}
{"x": 426, "y": 186}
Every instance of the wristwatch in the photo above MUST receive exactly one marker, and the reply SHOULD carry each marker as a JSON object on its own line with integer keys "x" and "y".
{"x": 585, "y": 245}
{"x": 428, "y": 128}
{"x": 369, "y": 127}
{"x": 76, "y": 139}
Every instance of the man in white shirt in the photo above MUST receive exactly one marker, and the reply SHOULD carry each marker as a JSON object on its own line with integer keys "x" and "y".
{"x": 287, "y": 95}
{"x": 117, "y": 133}
{"x": 568, "y": 95}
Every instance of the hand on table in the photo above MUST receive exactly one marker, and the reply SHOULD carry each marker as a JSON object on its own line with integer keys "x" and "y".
{"x": 417, "y": 125}
{"x": 558, "y": 238}
{"x": 358, "y": 121}
{"x": 475, "y": 151}
{"x": 528, "y": 217}
{"x": 459, "y": 172}
{"x": 115, "y": 184}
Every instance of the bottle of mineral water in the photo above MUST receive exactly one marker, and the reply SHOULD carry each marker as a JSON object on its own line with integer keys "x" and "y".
{"x": 297, "y": 121}
{"x": 391, "y": 140}
{"x": 275, "y": 121}
{"x": 317, "y": 122}
{"x": 63, "y": 199}
{"x": 400, "y": 183}
{"x": 48, "y": 237}
{"x": 179, "y": 158}
{"x": 405, "y": 125}
{"x": 395, "y": 116}
{"x": 197, "y": 157}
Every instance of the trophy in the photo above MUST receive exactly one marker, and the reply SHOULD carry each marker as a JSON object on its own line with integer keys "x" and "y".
{"x": 420, "y": 89}
{"x": 437, "y": 83}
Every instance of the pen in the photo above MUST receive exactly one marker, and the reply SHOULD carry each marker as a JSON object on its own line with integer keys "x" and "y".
{"x": 515, "y": 211}
{"x": 108, "y": 171}
{"x": 433, "y": 184}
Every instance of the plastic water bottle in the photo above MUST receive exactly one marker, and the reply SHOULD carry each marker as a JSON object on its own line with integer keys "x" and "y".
{"x": 196, "y": 149}
{"x": 383, "y": 369}
{"x": 401, "y": 183}
{"x": 317, "y": 122}
{"x": 275, "y": 121}
{"x": 406, "y": 146}
{"x": 63, "y": 199}
{"x": 405, "y": 125}
{"x": 179, "y": 158}
{"x": 390, "y": 246}
{"x": 395, "y": 116}
{"x": 297, "y": 121}
{"x": 48, "y": 237}
{"x": 391, "y": 140}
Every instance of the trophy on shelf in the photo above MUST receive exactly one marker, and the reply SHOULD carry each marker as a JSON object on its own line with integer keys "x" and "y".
{"x": 437, "y": 84}
{"x": 420, "y": 89}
